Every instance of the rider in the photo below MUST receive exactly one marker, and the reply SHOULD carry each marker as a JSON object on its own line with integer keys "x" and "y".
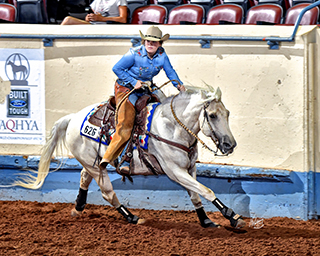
{"x": 138, "y": 65}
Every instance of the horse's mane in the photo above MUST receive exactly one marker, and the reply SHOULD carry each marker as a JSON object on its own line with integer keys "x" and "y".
{"x": 180, "y": 96}
{"x": 205, "y": 94}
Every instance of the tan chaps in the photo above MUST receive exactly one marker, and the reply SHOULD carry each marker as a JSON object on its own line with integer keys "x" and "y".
{"x": 125, "y": 122}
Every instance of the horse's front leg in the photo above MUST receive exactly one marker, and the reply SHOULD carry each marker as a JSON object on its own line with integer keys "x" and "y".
{"x": 196, "y": 201}
{"x": 108, "y": 194}
{"x": 179, "y": 175}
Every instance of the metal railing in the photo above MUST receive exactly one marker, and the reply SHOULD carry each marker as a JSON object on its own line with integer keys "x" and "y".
{"x": 272, "y": 41}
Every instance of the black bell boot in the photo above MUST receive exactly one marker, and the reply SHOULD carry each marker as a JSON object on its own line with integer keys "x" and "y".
{"x": 81, "y": 200}
{"x": 236, "y": 220}
{"x": 204, "y": 219}
{"x": 128, "y": 215}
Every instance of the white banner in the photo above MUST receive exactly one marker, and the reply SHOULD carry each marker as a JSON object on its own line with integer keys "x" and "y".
{"x": 22, "y": 115}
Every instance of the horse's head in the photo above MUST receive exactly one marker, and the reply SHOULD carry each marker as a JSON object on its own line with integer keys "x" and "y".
{"x": 216, "y": 122}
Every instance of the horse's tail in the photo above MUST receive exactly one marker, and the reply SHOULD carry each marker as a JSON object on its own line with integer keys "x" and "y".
{"x": 55, "y": 142}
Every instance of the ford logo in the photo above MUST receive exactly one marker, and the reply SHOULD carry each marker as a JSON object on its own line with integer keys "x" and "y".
{"x": 18, "y": 103}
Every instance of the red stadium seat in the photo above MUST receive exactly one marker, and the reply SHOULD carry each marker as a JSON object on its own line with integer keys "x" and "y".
{"x": 150, "y": 14}
{"x": 134, "y": 4}
{"x": 229, "y": 13}
{"x": 8, "y": 12}
{"x": 309, "y": 18}
{"x": 264, "y": 14}
{"x": 186, "y": 14}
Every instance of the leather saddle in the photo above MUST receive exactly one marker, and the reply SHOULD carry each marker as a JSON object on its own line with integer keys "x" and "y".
{"x": 104, "y": 117}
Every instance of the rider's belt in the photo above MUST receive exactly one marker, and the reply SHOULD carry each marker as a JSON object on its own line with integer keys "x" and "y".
{"x": 122, "y": 83}
{"x": 143, "y": 89}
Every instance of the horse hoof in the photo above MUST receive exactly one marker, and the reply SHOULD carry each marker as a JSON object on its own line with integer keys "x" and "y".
{"x": 240, "y": 223}
{"x": 210, "y": 224}
{"x": 75, "y": 213}
{"x": 213, "y": 225}
{"x": 141, "y": 221}
{"x": 236, "y": 221}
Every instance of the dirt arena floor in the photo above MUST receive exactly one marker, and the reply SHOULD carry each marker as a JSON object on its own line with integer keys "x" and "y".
{"x": 31, "y": 228}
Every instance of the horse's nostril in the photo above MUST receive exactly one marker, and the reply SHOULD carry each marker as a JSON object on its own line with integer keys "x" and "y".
{"x": 227, "y": 145}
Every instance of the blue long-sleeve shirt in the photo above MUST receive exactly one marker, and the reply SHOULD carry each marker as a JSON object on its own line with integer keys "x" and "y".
{"x": 136, "y": 65}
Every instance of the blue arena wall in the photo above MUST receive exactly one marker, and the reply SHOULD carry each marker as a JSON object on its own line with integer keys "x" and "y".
{"x": 252, "y": 192}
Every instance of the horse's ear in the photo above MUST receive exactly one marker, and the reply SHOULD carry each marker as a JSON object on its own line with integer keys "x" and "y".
{"x": 204, "y": 95}
{"x": 218, "y": 94}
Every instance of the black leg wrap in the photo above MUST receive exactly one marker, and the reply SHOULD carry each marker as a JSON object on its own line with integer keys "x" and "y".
{"x": 217, "y": 203}
{"x": 235, "y": 219}
{"x": 81, "y": 199}
{"x": 128, "y": 215}
{"x": 204, "y": 220}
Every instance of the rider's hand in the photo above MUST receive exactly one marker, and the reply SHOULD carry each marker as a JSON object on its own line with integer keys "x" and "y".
{"x": 181, "y": 88}
{"x": 138, "y": 85}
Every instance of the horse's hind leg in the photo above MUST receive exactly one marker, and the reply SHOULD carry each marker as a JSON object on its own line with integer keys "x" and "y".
{"x": 103, "y": 180}
{"x": 81, "y": 200}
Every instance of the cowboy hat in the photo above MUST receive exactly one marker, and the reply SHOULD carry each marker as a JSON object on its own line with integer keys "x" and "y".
{"x": 154, "y": 34}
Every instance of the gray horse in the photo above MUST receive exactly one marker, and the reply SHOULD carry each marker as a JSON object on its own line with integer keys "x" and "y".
{"x": 178, "y": 119}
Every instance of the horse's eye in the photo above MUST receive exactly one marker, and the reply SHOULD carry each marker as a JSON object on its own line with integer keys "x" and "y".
{"x": 213, "y": 116}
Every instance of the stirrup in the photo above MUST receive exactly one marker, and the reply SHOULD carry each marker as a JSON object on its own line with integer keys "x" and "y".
{"x": 125, "y": 173}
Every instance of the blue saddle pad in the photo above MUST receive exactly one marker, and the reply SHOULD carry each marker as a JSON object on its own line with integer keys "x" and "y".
{"x": 144, "y": 138}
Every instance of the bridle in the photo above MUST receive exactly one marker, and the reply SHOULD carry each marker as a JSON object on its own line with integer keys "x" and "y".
{"x": 214, "y": 139}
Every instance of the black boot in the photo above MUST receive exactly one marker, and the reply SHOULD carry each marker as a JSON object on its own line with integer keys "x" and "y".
{"x": 204, "y": 220}
{"x": 81, "y": 200}
{"x": 236, "y": 220}
{"x": 128, "y": 215}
